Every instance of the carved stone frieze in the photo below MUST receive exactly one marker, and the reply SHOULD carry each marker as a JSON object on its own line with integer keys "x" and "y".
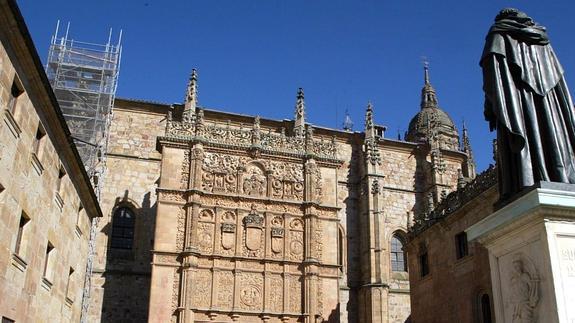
{"x": 220, "y": 172}
{"x": 171, "y": 196}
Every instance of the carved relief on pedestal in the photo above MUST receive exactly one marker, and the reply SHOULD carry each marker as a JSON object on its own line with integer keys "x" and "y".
{"x": 275, "y": 301}
{"x": 220, "y": 173}
{"x": 228, "y": 232}
{"x": 206, "y": 231}
{"x": 201, "y": 288}
{"x": 277, "y": 236}
{"x": 296, "y": 242}
{"x": 225, "y": 290}
{"x": 253, "y": 234}
{"x": 295, "y": 289}
{"x": 254, "y": 181}
{"x": 251, "y": 291}
{"x": 524, "y": 285}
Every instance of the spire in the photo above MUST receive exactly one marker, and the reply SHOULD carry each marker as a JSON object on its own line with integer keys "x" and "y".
{"x": 191, "y": 100}
{"x": 347, "y": 123}
{"x": 428, "y": 96}
{"x": 299, "y": 123}
{"x": 372, "y": 149}
{"x": 369, "y": 125}
{"x": 466, "y": 148}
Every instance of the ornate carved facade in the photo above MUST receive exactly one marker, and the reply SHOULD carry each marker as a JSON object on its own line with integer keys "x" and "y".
{"x": 260, "y": 220}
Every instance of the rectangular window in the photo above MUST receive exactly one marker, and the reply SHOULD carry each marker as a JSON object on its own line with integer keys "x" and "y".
{"x": 38, "y": 141}
{"x": 424, "y": 264}
{"x": 70, "y": 273}
{"x": 61, "y": 175}
{"x": 461, "y": 245}
{"x": 24, "y": 219}
{"x": 15, "y": 92}
{"x": 49, "y": 250}
{"x": 7, "y": 320}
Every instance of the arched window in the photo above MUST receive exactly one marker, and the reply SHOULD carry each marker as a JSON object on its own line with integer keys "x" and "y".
{"x": 398, "y": 259}
{"x": 123, "y": 228}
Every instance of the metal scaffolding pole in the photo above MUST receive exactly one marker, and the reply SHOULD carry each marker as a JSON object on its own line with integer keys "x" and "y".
{"x": 84, "y": 77}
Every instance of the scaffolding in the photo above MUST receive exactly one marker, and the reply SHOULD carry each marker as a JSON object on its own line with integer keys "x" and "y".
{"x": 84, "y": 77}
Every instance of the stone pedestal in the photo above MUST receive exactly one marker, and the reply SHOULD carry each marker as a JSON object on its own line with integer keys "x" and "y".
{"x": 531, "y": 244}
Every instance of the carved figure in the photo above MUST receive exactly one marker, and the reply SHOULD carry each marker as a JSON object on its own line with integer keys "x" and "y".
{"x": 524, "y": 292}
{"x": 528, "y": 102}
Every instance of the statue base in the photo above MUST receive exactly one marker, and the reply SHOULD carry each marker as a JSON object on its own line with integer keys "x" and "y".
{"x": 531, "y": 244}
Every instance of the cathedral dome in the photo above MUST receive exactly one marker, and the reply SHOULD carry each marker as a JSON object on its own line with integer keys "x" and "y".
{"x": 432, "y": 120}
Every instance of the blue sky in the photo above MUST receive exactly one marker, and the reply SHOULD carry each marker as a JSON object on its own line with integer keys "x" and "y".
{"x": 253, "y": 55}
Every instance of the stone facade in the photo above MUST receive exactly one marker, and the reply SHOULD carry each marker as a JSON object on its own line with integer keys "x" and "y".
{"x": 457, "y": 272}
{"x": 46, "y": 199}
{"x": 247, "y": 219}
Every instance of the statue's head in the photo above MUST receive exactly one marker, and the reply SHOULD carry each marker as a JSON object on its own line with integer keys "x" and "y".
{"x": 514, "y": 14}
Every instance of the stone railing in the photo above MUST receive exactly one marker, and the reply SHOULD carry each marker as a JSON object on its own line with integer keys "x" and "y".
{"x": 456, "y": 199}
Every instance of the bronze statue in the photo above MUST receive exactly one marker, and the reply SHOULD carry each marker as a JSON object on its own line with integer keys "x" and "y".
{"x": 528, "y": 102}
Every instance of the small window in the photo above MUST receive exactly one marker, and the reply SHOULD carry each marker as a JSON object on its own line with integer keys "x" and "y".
{"x": 49, "y": 250}
{"x": 340, "y": 252}
{"x": 61, "y": 175}
{"x": 39, "y": 140}
{"x": 7, "y": 320}
{"x": 424, "y": 264}
{"x": 485, "y": 309}
{"x": 461, "y": 245}
{"x": 20, "y": 237}
{"x": 70, "y": 273}
{"x": 15, "y": 92}
{"x": 123, "y": 228}
{"x": 398, "y": 259}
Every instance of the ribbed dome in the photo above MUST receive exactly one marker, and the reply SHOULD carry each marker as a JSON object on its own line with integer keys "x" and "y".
{"x": 427, "y": 119}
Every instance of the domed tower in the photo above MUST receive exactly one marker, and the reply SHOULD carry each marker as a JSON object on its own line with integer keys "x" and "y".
{"x": 432, "y": 124}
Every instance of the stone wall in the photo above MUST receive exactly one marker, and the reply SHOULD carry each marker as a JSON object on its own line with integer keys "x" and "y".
{"x": 35, "y": 287}
{"x": 121, "y": 280}
{"x": 453, "y": 285}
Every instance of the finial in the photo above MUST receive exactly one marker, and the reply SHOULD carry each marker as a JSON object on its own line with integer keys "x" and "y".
{"x": 191, "y": 99}
{"x": 347, "y": 123}
{"x": 299, "y": 124}
{"x": 425, "y": 69}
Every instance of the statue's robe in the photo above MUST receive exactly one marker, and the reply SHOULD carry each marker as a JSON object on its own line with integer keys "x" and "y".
{"x": 528, "y": 102}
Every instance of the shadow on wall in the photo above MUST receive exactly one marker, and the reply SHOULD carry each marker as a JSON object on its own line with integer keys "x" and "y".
{"x": 127, "y": 276}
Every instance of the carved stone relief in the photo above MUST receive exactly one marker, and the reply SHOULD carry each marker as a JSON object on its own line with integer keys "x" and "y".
{"x": 524, "y": 285}
{"x": 175, "y": 289}
{"x": 296, "y": 242}
{"x": 181, "y": 230}
{"x": 254, "y": 181}
{"x": 295, "y": 294}
{"x": 206, "y": 231}
{"x": 220, "y": 173}
{"x": 185, "y": 179}
{"x": 225, "y": 281}
{"x": 228, "y": 232}
{"x": 253, "y": 234}
{"x": 201, "y": 287}
{"x": 277, "y": 237}
{"x": 287, "y": 180}
{"x": 251, "y": 291}
{"x": 276, "y": 293}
